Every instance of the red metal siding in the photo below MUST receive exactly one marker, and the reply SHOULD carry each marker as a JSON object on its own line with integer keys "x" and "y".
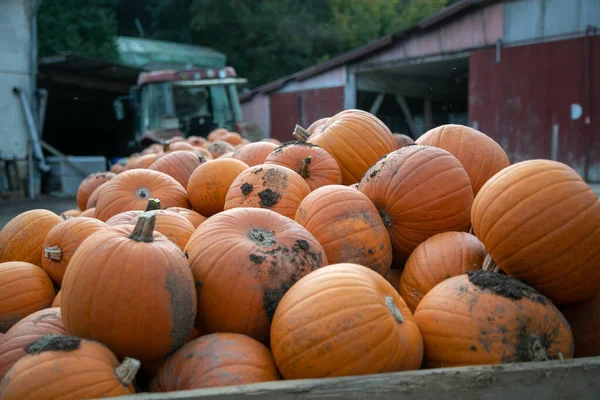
{"x": 304, "y": 107}
{"x": 518, "y": 100}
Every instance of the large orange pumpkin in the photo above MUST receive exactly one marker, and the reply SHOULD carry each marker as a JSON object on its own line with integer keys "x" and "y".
{"x": 419, "y": 191}
{"x": 440, "y": 257}
{"x": 24, "y": 289}
{"x": 315, "y": 165}
{"x": 89, "y": 213}
{"x": 69, "y": 368}
{"x": 61, "y": 243}
{"x": 270, "y": 140}
{"x": 89, "y": 184}
{"x": 348, "y": 226}
{"x": 27, "y": 331}
{"x": 343, "y": 320}
{"x": 22, "y": 238}
{"x": 488, "y": 318}
{"x": 479, "y": 154}
{"x": 209, "y": 183}
{"x": 233, "y": 138}
{"x": 219, "y": 148}
{"x": 584, "y": 319}
{"x": 171, "y": 146}
{"x": 179, "y": 165}
{"x": 131, "y": 161}
{"x": 145, "y": 161}
{"x": 541, "y": 223}
{"x": 356, "y": 139}
{"x": 131, "y": 190}
{"x": 268, "y": 186}
{"x": 191, "y": 215}
{"x": 234, "y": 360}
{"x": 254, "y": 153}
{"x": 317, "y": 126}
{"x": 132, "y": 289}
{"x": 243, "y": 261}
{"x": 93, "y": 199}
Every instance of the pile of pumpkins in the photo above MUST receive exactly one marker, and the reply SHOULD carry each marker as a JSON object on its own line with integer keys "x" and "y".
{"x": 351, "y": 250}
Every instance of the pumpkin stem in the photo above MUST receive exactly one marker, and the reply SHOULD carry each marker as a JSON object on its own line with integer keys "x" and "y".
{"x": 144, "y": 228}
{"x": 389, "y": 302}
{"x": 304, "y": 169}
{"x": 300, "y": 133}
{"x": 490, "y": 265}
{"x": 166, "y": 146}
{"x": 127, "y": 371}
{"x": 153, "y": 204}
{"x": 54, "y": 253}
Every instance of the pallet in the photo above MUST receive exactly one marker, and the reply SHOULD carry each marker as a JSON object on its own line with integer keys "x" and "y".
{"x": 570, "y": 379}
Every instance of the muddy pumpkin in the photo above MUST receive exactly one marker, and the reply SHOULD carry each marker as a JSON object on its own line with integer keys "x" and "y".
{"x": 254, "y": 153}
{"x": 488, "y": 318}
{"x": 265, "y": 252}
{"x": 440, "y": 257}
{"x": 351, "y": 321}
{"x": 234, "y": 360}
{"x": 130, "y": 288}
{"x": 52, "y": 362}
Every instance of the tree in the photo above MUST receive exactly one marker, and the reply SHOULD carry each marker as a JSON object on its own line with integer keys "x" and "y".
{"x": 86, "y": 27}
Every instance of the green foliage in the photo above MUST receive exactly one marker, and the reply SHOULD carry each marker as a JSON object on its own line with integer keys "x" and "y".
{"x": 87, "y": 27}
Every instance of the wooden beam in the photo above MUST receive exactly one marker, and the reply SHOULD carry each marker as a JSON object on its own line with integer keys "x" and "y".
{"x": 377, "y": 103}
{"x": 408, "y": 115}
{"x": 549, "y": 380}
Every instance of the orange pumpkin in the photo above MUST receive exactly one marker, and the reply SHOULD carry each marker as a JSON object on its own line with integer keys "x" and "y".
{"x": 88, "y": 185}
{"x": 131, "y": 161}
{"x": 117, "y": 168}
{"x": 315, "y": 165}
{"x": 24, "y": 289}
{"x": 402, "y": 140}
{"x": 541, "y": 224}
{"x": 123, "y": 218}
{"x": 61, "y": 243}
{"x": 145, "y": 161}
{"x": 219, "y": 148}
{"x": 271, "y": 140}
{"x": 440, "y": 257}
{"x": 93, "y": 199}
{"x": 488, "y": 318}
{"x": 217, "y": 134}
{"x": 191, "y": 215}
{"x": 171, "y": 224}
{"x": 584, "y": 319}
{"x": 131, "y": 190}
{"x": 209, "y": 183}
{"x": 234, "y": 360}
{"x": 419, "y": 191}
{"x": 52, "y": 362}
{"x": 22, "y": 237}
{"x": 254, "y": 153}
{"x": 356, "y": 139}
{"x": 227, "y": 155}
{"x": 268, "y": 186}
{"x": 479, "y": 154}
{"x": 202, "y": 152}
{"x": 56, "y": 302}
{"x": 233, "y": 138}
{"x": 27, "y": 331}
{"x": 132, "y": 289}
{"x": 89, "y": 213}
{"x": 317, "y": 126}
{"x": 179, "y": 165}
{"x": 348, "y": 226}
{"x": 196, "y": 141}
{"x": 171, "y": 146}
{"x": 351, "y": 322}
{"x": 265, "y": 254}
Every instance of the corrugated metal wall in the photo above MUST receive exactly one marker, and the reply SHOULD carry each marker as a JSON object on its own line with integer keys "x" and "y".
{"x": 533, "y": 94}
{"x": 305, "y": 107}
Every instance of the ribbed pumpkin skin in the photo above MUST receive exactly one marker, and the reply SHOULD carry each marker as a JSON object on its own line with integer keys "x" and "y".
{"x": 584, "y": 319}
{"x": 173, "y": 225}
{"x": 466, "y": 323}
{"x": 356, "y": 139}
{"x": 124, "y": 193}
{"x": 89, "y": 184}
{"x": 245, "y": 259}
{"x": 440, "y": 257}
{"x": 195, "y": 218}
{"x": 67, "y": 235}
{"x": 26, "y": 331}
{"x": 145, "y": 161}
{"x": 209, "y": 183}
{"x": 541, "y": 224}
{"x": 179, "y": 146}
{"x": 233, "y": 360}
{"x": 89, "y": 213}
{"x": 179, "y": 165}
{"x": 419, "y": 191}
{"x": 322, "y": 169}
{"x": 93, "y": 199}
{"x": 22, "y": 237}
{"x": 343, "y": 327}
{"x": 24, "y": 289}
{"x": 268, "y": 186}
{"x": 479, "y": 154}
{"x": 348, "y": 226}
{"x": 123, "y": 218}
{"x": 84, "y": 373}
{"x": 138, "y": 298}
{"x": 317, "y": 125}
{"x": 254, "y": 153}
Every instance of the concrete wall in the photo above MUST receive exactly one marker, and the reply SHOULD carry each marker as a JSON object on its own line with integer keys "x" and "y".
{"x": 15, "y": 40}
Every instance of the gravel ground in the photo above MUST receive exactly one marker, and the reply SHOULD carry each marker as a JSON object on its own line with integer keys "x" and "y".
{"x": 10, "y": 208}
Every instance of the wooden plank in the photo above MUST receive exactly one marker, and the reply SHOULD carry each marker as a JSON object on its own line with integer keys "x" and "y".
{"x": 570, "y": 379}
{"x": 407, "y": 115}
